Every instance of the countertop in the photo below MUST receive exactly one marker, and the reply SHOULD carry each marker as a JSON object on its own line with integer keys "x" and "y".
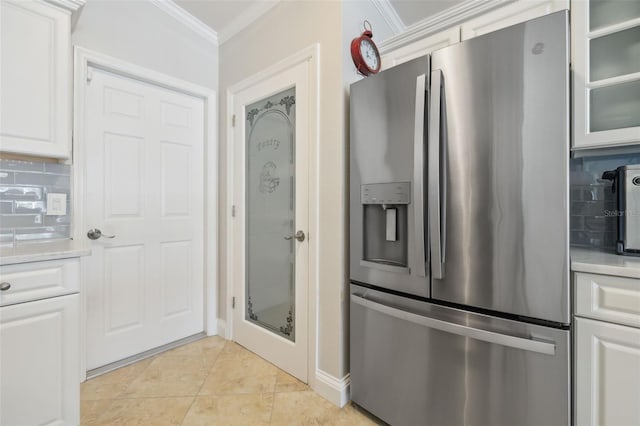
{"x": 37, "y": 252}
{"x": 607, "y": 263}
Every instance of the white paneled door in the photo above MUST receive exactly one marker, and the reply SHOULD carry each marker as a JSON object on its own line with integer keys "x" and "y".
{"x": 143, "y": 185}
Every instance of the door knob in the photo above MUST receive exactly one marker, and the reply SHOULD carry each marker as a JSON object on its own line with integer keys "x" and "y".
{"x": 95, "y": 233}
{"x": 298, "y": 236}
{"x": 5, "y": 286}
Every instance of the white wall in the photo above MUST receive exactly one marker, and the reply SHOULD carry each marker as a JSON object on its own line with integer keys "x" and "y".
{"x": 138, "y": 32}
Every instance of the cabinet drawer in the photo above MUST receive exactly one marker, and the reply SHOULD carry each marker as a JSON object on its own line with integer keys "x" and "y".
{"x": 609, "y": 298}
{"x": 39, "y": 280}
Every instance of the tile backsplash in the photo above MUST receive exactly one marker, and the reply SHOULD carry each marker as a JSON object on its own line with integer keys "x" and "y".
{"x": 591, "y": 198}
{"x": 24, "y": 186}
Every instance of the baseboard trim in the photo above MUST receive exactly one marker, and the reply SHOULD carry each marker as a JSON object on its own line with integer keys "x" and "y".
{"x": 222, "y": 328}
{"x": 333, "y": 389}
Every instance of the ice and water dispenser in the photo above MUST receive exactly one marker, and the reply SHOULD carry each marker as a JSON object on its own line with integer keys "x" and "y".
{"x": 385, "y": 225}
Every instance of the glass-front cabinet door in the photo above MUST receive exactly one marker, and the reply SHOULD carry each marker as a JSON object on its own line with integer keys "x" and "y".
{"x": 606, "y": 72}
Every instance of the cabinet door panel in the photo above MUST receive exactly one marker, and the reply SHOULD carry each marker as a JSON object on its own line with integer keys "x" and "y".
{"x": 606, "y": 73}
{"x": 607, "y": 374}
{"x": 421, "y": 47}
{"x": 512, "y": 14}
{"x": 39, "y": 359}
{"x": 35, "y": 79}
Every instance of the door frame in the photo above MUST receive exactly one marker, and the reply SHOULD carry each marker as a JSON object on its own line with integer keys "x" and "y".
{"x": 83, "y": 58}
{"x": 310, "y": 55}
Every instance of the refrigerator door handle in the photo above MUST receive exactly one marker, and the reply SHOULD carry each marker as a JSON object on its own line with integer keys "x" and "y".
{"x": 436, "y": 218}
{"x": 418, "y": 175}
{"x": 522, "y": 343}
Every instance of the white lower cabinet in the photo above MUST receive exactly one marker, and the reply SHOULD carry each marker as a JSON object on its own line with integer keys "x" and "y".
{"x": 607, "y": 374}
{"x": 39, "y": 357}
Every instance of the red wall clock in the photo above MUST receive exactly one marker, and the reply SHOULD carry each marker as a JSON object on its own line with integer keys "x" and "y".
{"x": 364, "y": 52}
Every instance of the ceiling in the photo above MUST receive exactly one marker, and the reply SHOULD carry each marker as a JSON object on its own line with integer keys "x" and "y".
{"x": 227, "y": 17}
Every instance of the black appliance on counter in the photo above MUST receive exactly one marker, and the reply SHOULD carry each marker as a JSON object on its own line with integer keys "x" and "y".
{"x": 626, "y": 187}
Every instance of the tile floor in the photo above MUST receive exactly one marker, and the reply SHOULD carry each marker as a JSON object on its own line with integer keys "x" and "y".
{"x": 208, "y": 382}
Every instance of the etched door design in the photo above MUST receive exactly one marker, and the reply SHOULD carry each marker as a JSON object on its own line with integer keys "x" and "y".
{"x": 270, "y": 264}
{"x": 271, "y": 249}
{"x": 143, "y": 152}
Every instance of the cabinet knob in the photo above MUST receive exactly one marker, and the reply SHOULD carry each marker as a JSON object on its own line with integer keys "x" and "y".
{"x": 5, "y": 286}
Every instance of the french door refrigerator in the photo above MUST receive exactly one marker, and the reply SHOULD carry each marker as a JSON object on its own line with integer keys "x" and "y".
{"x": 459, "y": 253}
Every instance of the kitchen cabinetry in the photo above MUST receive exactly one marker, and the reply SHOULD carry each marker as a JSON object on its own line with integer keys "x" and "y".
{"x": 512, "y": 14}
{"x": 35, "y": 82}
{"x": 607, "y": 336}
{"x": 415, "y": 45}
{"x": 606, "y": 72}
{"x": 39, "y": 354}
{"x": 420, "y": 48}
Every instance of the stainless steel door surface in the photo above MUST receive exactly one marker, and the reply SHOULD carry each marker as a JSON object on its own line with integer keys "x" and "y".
{"x": 415, "y": 363}
{"x": 498, "y": 170}
{"x": 387, "y": 142}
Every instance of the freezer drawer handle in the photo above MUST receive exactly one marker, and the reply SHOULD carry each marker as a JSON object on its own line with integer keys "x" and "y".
{"x": 525, "y": 344}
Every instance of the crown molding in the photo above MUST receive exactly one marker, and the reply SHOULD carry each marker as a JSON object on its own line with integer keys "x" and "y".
{"x": 440, "y": 21}
{"x": 187, "y": 19}
{"x": 390, "y": 15}
{"x": 70, "y": 5}
{"x": 246, "y": 18}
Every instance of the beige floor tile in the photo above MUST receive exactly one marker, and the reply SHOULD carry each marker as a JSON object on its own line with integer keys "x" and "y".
{"x": 146, "y": 411}
{"x": 169, "y": 376}
{"x": 246, "y": 373}
{"x": 287, "y": 383}
{"x": 249, "y": 409}
{"x": 198, "y": 347}
{"x": 184, "y": 363}
{"x": 90, "y": 410}
{"x": 92, "y": 390}
{"x": 233, "y": 350}
{"x": 112, "y": 384}
{"x": 352, "y": 416}
{"x": 308, "y": 408}
{"x": 123, "y": 375}
{"x": 208, "y": 349}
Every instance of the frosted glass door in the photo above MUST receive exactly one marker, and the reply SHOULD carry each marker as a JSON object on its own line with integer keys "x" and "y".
{"x": 270, "y": 213}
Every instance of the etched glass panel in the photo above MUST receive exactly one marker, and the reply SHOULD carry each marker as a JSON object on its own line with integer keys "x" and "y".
{"x": 270, "y": 213}
{"x": 603, "y": 13}
{"x": 615, "y": 107}
{"x": 615, "y": 54}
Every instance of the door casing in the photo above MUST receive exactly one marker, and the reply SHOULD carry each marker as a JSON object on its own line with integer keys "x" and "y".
{"x": 83, "y": 58}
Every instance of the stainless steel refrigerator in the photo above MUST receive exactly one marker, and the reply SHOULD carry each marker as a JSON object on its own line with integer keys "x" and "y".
{"x": 459, "y": 251}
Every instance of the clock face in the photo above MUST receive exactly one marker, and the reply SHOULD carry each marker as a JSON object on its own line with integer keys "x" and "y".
{"x": 369, "y": 54}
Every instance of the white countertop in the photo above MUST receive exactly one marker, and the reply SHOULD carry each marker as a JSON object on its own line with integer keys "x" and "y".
{"x": 607, "y": 263}
{"x": 37, "y": 252}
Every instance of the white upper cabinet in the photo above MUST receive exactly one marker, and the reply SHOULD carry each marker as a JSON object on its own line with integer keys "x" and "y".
{"x": 35, "y": 84}
{"x": 420, "y": 48}
{"x": 606, "y": 72}
{"x": 512, "y": 14}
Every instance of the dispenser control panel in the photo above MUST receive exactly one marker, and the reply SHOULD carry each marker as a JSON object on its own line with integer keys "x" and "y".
{"x": 386, "y": 193}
